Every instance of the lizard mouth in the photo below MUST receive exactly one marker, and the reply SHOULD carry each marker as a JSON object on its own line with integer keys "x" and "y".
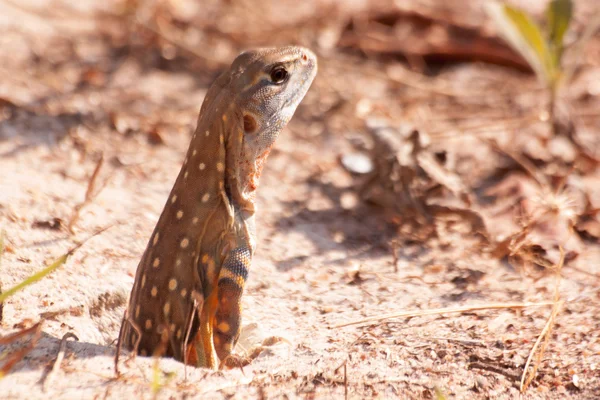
{"x": 310, "y": 65}
{"x": 289, "y": 107}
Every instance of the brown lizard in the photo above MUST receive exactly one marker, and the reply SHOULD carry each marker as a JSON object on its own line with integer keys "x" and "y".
{"x": 186, "y": 298}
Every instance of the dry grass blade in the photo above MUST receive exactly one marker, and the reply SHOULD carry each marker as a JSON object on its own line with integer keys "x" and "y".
{"x": 545, "y": 334}
{"x": 17, "y": 356}
{"x": 120, "y": 341}
{"x": 414, "y": 80}
{"x": 90, "y": 194}
{"x": 6, "y": 340}
{"x": 345, "y": 381}
{"x": 134, "y": 351}
{"x": 448, "y": 179}
{"x": 344, "y": 365}
{"x": 449, "y": 310}
{"x": 528, "y": 166}
{"x": 198, "y": 303}
{"x": 59, "y": 358}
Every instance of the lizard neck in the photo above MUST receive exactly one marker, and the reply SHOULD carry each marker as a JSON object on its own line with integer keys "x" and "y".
{"x": 243, "y": 208}
{"x": 244, "y": 167}
{"x": 249, "y": 173}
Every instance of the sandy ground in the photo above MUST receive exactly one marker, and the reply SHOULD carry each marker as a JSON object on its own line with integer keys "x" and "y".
{"x": 319, "y": 263}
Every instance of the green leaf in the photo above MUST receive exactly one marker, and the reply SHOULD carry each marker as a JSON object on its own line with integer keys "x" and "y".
{"x": 559, "y": 15}
{"x": 526, "y": 37}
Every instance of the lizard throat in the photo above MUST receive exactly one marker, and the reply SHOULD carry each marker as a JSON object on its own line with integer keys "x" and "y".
{"x": 251, "y": 172}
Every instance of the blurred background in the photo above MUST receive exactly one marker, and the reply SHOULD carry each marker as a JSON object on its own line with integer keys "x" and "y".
{"x": 446, "y": 155}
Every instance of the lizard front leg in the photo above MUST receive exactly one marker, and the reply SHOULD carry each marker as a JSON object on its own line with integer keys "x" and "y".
{"x": 201, "y": 351}
{"x": 228, "y": 318}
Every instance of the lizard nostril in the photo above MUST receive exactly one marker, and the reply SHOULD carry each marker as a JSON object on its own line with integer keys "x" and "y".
{"x": 304, "y": 57}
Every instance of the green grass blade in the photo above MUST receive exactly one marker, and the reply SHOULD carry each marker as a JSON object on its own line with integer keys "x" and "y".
{"x": 46, "y": 271}
{"x": 35, "y": 277}
{"x": 439, "y": 395}
{"x": 155, "y": 385}
{"x": 525, "y": 36}
{"x": 157, "y": 381}
{"x": 558, "y": 14}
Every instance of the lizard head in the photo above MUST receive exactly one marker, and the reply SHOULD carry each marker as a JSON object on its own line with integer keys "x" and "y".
{"x": 268, "y": 85}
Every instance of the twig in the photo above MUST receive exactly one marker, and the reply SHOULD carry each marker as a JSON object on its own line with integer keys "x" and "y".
{"x": 59, "y": 358}
{"x": 198, "y": 304}
{"x": 90, "y": 194}
{"x": 545, "y": 334}
{"x": 127, "y": 320}
{"x": 120, "y": 341}
{"x": 74, "y": 310}
{"x": 466, "y": 342}
{"x": 449, "y": 310}
{"x": 335, "y": 371}
{"x": 395, "y": 256}
{"x": 345, "y": 381}
{"x": 408, "y": 278}
{"x": 494, "y": 369}
{"x": 138, "y": 332}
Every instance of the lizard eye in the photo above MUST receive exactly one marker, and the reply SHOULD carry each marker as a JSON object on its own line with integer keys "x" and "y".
{"x": 279, "y": 75}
